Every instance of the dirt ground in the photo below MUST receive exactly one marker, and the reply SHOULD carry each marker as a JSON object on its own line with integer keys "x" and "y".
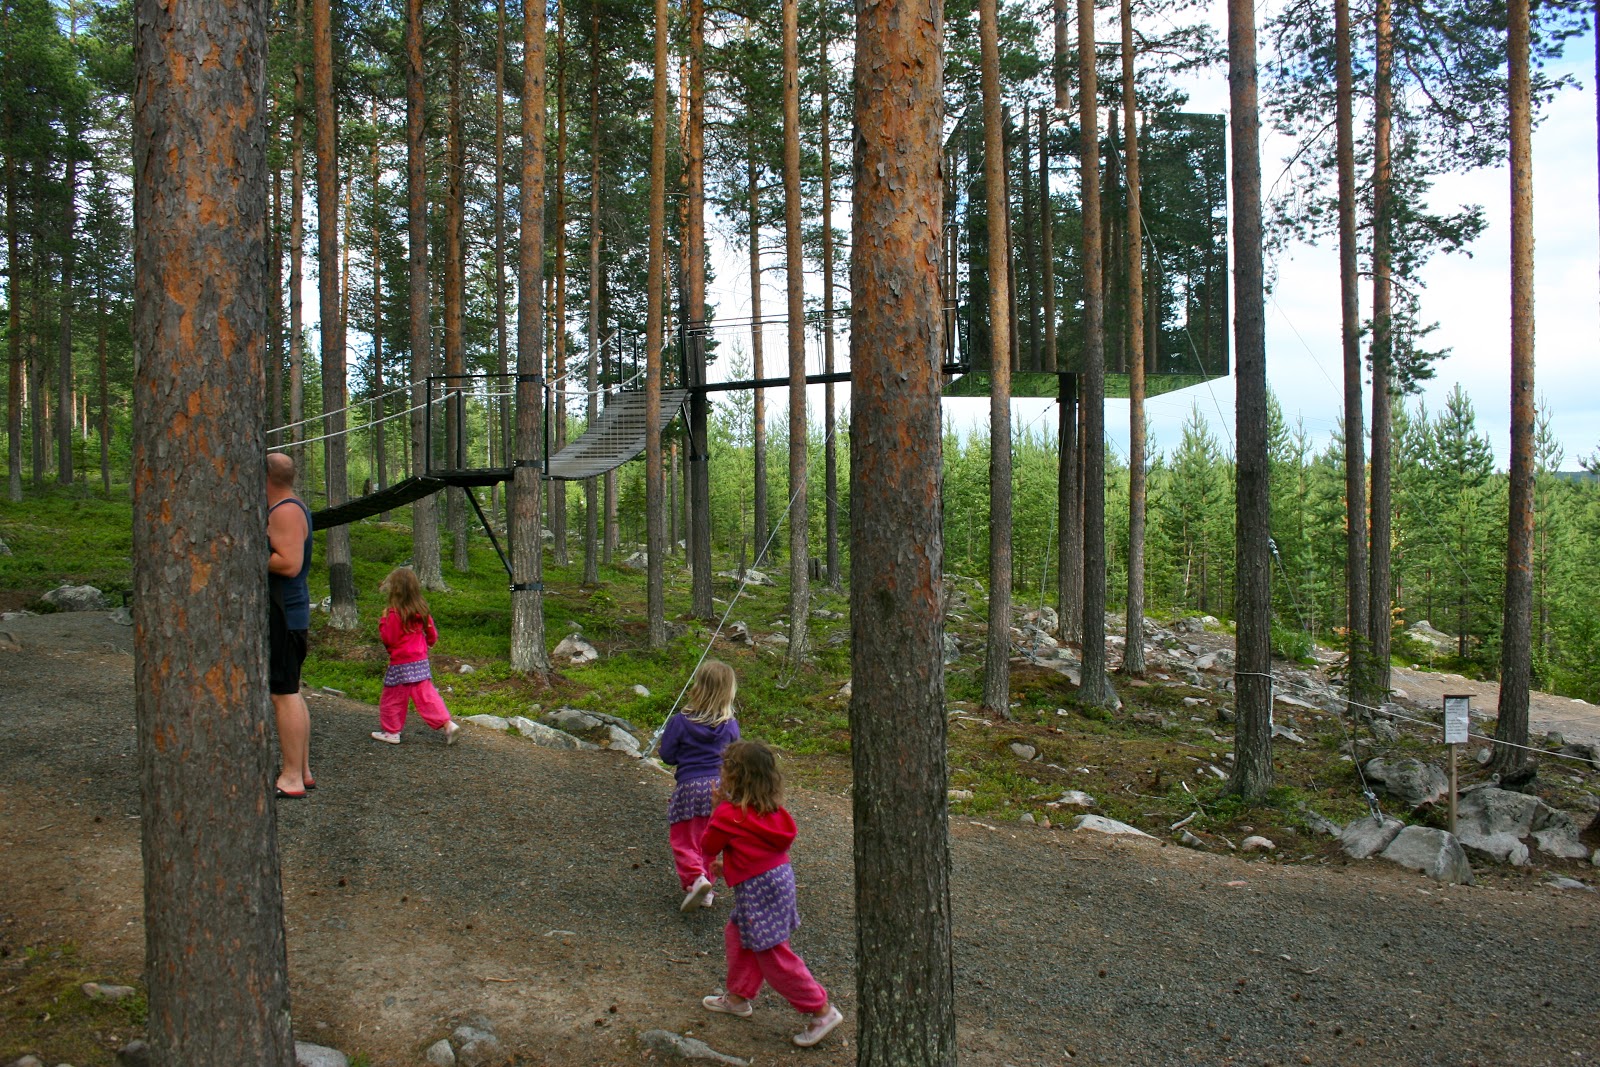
{"x": 426, "y": 885}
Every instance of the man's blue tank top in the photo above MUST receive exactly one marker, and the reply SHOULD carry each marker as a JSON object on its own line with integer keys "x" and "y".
{"x": 294, "y": 594}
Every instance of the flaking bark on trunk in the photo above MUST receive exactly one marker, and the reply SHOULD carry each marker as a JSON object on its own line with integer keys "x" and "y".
{"x": 655, "y": 332}
{"x": 342, "y": 613}
{"x": 1133, "y": 646}
{"x": 591, "y": 517}
{"x": 997, "y": 643}
{"x": 694, "y": 252}
{"x": 830, "y": 447}
{"x": 758, "y": 367}
{"x": 1516, "y": 650}
{"x": 455, "y": 288}
{"x": 904, "y": 975}
{"x": 424, "y": 513}
{"x": 528, "y": 653}
{"x": 1380, "y": 553}
{"x": 215, "y": 962}
{"x": 794, "y": 280}
{"x": 1252, "y": 769}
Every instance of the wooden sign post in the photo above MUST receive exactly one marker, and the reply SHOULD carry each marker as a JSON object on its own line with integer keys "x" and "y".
{"x": 1457, "y": 726}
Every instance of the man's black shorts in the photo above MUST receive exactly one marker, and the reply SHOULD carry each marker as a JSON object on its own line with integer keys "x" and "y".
{"x": 286, "y": 651}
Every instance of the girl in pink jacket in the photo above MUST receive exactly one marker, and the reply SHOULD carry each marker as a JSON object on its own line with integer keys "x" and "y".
{"x": 408, "y": 632}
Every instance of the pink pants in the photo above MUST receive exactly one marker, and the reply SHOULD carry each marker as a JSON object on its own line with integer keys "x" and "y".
{"x": 685, "y": 840}
{"x": 392, "y": 706}
{"x": 784, "y": 971}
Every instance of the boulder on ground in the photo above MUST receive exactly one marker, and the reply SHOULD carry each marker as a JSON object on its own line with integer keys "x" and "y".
{"x": 1493, "y": 822}
{"x": 75, "y": 598}
{"x": 549, "y": 737}
{"x": 1370, "y": 835}
{"x": 1102, "y": 825}
{"x": 308, "y": 1055}
{"x": 686, "y": 1048}
{"x": 1439, "y": 643}
{"x": 1435, "y": 853}
{"x": 1410, "y": 781}
{"x": 575, "y": 651}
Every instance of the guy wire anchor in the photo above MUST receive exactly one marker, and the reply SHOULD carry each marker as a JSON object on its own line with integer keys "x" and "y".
{"x": 1372, "y": 804}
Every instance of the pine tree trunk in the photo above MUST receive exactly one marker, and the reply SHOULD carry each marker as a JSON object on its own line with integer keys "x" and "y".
{"x": 591, "y": 518}
{"x": 1133, "y": 647}
{"x": 1378, "y": 603}
{"x": 455, "y": 286}
{"x": 1061, "y": 55}
{"x": 64, "y": 333}
{"x": 341, "y": 578}
{"x": 1252, "y": 768}
{"x": 297, "y": 231}
{"x": 215, "y": 963}
{"x": 758, "y": 368}
{"x": 528, "y": 653}
{"x": 904, "y": 975}
{"x": 558, "y": 417}
{"x": 1026, "y": 286}
{"x": 1516, "y": 666}
{"x": 1355, "y": 473}
{"x": 1047, "y": 249}
{"x": 1096, "y": 686}
{"x": 794, "y": 266}
{"x": 380, "y": 432}
{"x": 504, "y": 446}
{"x": 997, "y": 644}
{"x": 694, "y": 251}
{"x": 274, "y": 409}
{"x": 1069, "y": 512}
{"x": 13, "y": 339}
{"x": 655, "y": 333}
{"x": 830, "y": 447}
{"x": 105, "y": 398}
{"x": 424, "y": 513}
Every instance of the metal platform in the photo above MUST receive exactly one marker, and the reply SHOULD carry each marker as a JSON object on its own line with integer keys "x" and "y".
{"x": 618, "y": 435}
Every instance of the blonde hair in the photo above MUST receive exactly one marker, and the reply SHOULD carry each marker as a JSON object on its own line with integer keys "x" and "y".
{"x": 404, "y": 593}
{"x": 750, "y": 777}
{"x": 710, "y": 697}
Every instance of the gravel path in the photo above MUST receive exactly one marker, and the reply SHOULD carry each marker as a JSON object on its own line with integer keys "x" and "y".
{"x": 426, "y": 885}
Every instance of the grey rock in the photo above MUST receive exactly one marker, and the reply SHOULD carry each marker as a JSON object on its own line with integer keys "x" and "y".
{"x": 1287, "y": 734}
{"x": 1320, "y": 823}
{"x": 1411, "y": 782}
{"x": 112, "y": 993}
{"x": 308, "y": 1055}
{"x": 493, "y": 722}
{"x": 1435, "y": 853}
{"x": 1190, "y": 840}
{"x": 1494, "y": 821}
{"x": 1587, "y": 753}
{"x": 122, "y": 615}
{"x": 1219, "y": 660}
{"x": 1556, "y": 834}
{"x": 845, "y": 691}
{"x": 686, "y": 1048}
{"x": 1102, "y": 825}
{"x": 5, "y": 549}
{"x": 476, "y": 1043}
{"x": 1191, "y": 625}
{"x": 540, "y": 734}
{"x": 640, "y": 691}
{"x": 1385, "y": 731}
{"x": 1370, "y": 835}
{"x": 135, "y": 1053}
{"x": 1554, "y": 739}
{"x": 466, "y": 668}
{"x": 1074, "y": 798}
{"x": 1440, "y": 644}
{"x": 958, "y": 794}
{"x": 1257, "y": 843}
{"x": 620, "y": 740}
{"x": 1558, "y": 882}
{"x": 575, "y": 651}
{"x": 1027, "y": 817}
{"x": 952, "y": 648}
{"x": 1022, "y": 751}
{"x": 440, "y": 1054}
{"x": 638, "y": 561}
{"x": 738, "y": 633}
{"x": 28, "y": 1061}
{"x": 75, "y": 598}
{"x": 571, "y": 720}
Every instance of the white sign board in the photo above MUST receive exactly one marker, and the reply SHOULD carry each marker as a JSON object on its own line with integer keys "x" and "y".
{"x": 1457, "y": 719}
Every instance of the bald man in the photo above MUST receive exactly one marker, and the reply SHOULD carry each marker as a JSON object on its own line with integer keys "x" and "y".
{"x": 289, "y": 534}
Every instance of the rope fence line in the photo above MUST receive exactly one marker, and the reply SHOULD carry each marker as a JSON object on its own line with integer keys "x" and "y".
{"x": 360, "y": 426}
{"x": 1389, "y": 712}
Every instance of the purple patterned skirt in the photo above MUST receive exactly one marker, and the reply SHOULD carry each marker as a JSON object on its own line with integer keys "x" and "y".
{"x": 764, "y": 909}
{"x": 407, "y": 673}
{"x": 691, "y": 800}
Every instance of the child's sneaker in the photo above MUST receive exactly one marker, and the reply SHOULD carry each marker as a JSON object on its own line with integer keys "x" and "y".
{"x": 451, "y": 728}
{"x": 727, "y": 1007}
{"x": 696, "y": 897}
{"x": 711, "y": 898}
{"x": 386, "y": 737}
{"x": 819, "y": 1027}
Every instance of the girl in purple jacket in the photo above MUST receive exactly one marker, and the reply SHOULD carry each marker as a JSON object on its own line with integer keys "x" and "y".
{"x": 693, "y": 741}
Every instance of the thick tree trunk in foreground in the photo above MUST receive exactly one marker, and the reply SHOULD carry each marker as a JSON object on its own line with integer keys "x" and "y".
{"x": 528, "y": 653}
{"x": 794, "y": 280}
{"x": 1252, "y": 769}
{"x": 694, "y": 256}
{"x": 341, "y": 578}
{"x": 997, "y": 643}
{"x": 1096, "y": 686}
{"x": 424, "y": 513}
{"x": 1355, "y": 469}
{"x": 215, "y": 965}
{"x": 1516, "y": 665}
{"x": 904, "y": 975}
{"x": 1133, "y": 648}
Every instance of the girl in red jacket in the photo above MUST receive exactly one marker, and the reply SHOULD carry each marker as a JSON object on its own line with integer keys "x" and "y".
{"x": 751, "y": 832}
{"x": 408, "y": 632}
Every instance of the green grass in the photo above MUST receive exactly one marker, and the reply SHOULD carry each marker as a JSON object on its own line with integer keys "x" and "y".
{"x": 46, "y": 1012}
{"x": 67, "y": 536}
